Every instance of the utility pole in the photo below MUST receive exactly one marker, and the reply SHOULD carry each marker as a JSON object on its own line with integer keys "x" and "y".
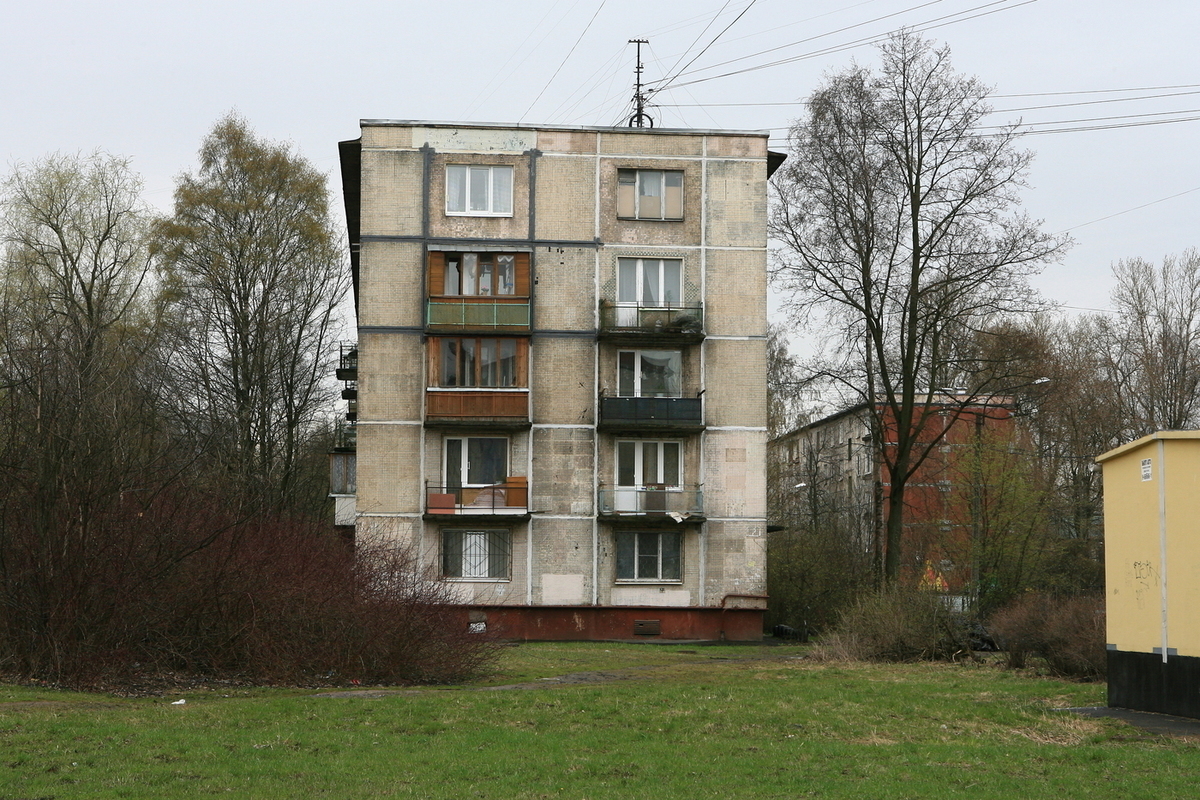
{"x": 640, "y": 118}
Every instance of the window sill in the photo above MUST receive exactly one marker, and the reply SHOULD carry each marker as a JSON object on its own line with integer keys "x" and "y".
{"x": 650, "y": 219}
{"x": 508, "y": 215}
{"x": 476, "y": 580}
{"x": 646, "y": 582}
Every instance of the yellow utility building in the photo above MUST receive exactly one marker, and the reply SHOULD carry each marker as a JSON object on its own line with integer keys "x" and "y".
{"x": 1152, "y": 572}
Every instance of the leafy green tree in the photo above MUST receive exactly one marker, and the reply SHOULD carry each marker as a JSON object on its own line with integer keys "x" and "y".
{"x": 257, "y": 279}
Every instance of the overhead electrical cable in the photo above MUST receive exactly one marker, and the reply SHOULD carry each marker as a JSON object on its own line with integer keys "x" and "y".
{"x": 667, "y": 81}
{"x": 925, "y": 26}
{"x": 501, "y": 73}
{"x": 1129, "y": 210}
{"x": 818, "y": 36}
{"x": 586, "y": 28}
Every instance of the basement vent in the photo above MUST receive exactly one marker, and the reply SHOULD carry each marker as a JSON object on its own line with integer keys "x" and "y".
{"x": 647, "y": 627}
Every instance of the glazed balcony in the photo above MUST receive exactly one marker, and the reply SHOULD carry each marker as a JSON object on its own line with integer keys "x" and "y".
{"x": 650, "y": 414}
{"x": 508, "y": 499}
{"x": 492, "y": 314}
{"x": 642, "y": 504}
{"x": 651, "y": 324}
{"x": 493, "y": 408}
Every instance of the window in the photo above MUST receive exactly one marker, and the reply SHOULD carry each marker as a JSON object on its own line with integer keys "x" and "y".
{"x": 648, "y": 556}
{"x": 649, "y": 194}
{"x": 479, "y": 362}
{"x": 479, "y": 191}
{"x": 649, "y": 373}
{"x": 476, "y": 554}
{"x": 648, "y": 463}
{"x": 479, "y": 275}
{"x": 656, "y": 282}
{"x": 476, "y": 461}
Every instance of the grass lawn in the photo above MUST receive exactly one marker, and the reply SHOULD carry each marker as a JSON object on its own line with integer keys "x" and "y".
{"x": 648, "y": 722}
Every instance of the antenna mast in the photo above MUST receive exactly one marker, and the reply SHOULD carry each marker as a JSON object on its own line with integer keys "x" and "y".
{"x": 640, "y": 118}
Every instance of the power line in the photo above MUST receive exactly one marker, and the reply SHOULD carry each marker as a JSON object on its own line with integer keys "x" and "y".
{"x": 564, "y": 61}
{"x": 921, "y": 27}
{"x": 667, "y": 82}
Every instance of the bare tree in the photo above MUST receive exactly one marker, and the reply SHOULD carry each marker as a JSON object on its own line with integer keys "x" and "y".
{"x": 1156, "y": 360}
{"x": 251, "y": 253}
{"x": 80, "y": 433}
{"x": 896, "y": 215}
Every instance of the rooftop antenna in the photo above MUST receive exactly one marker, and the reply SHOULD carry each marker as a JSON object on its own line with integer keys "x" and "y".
{"x": 640, "y": 118}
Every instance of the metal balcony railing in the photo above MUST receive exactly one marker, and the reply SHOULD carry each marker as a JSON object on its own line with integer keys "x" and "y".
{"x": 662, "y": 413}
{"x": 347, "y": 368}
{"x": 676, "y": 501}
{"x": 509, "y": 497}
{"x": 682, "y": 321}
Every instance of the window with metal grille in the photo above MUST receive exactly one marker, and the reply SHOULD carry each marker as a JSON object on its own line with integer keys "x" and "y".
{"x": 482, "y": 555}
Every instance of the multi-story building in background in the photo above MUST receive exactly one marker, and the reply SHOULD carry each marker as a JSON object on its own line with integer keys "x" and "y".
{"x": 832, "y": 472}
{"x": 560, "y": 371}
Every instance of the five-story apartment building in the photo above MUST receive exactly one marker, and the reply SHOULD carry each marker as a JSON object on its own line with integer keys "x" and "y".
{"x": 560, "y": 370}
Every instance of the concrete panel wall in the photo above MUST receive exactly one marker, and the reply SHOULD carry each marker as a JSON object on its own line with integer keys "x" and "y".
{"x": 737, "y": 203}
{"x": 736, "y": 287}
{"x": 737, "y": 553}
{"x": 562, "y": 374}
{"x": 563, "y": 475}
{"x": 736, "y": 147}
{"x": 390, "y": 289}
{"x": 391, "y": 192}
{"x": 736, "y": 386}
{"x": 387, "y": 482}
{"x": 565, "y": 293}
{"x": 566, "y": 198}
{"x": 567, "y": 141}
{"x": 735, "y": 473}
{"x": 562, "y": 558}
{"x": 390, "y": 376}
{"x": 651, "y": 144}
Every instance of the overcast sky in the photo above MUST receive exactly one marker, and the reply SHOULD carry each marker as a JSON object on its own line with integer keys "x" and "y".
{"x": 148, "y": 79}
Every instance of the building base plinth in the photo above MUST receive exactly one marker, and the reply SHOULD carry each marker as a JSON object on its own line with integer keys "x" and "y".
{"x": 1144, "y": 682}
{"x": 583, "y": 623}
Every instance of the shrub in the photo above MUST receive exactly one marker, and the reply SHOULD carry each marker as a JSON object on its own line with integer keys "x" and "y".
{"x": 898, "y": 625}
{"x": 1067, "y": 633}
{"x": 180, "y": 586}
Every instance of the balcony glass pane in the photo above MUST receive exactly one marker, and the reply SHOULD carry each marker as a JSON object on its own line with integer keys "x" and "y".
{"x": 470, "y": 268}
{"x": 506, "y": 275}
{"x": 627, "y": 284}
{"x": 627, "y": 374}
{"x": 451, "y": 281}
{"x": 466, "y": 362}
{"x": 487, "y": 461}
{"x": 672, "y": 283}
{"x": 449, "y": 362}
{"x": 627, "y": 463}
{"x": 651, "y": 275}
{"x": 660, "y": 373}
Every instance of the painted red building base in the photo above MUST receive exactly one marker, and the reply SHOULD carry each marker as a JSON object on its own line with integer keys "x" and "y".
{"x": 582, "y": 623}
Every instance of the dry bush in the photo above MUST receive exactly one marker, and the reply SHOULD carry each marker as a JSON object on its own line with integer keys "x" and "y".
{"x": 181, "y": 587}
{"x": 897, "y": 625}
{"x": 1067, "y": 633}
